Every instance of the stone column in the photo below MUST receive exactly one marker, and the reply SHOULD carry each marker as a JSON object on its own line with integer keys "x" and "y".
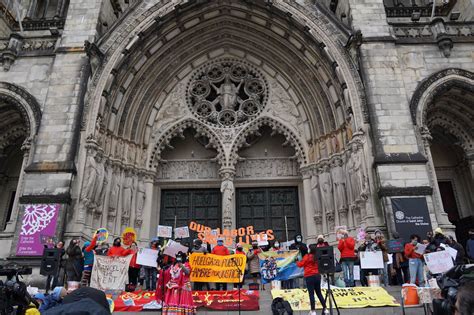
{"x": 309, "y": 222}
{"x": 470, "y": 161}
{"x": 228, "y": 198}
{"x": 146, "y": 227}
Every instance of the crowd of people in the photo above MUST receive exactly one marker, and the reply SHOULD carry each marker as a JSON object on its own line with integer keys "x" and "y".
{"x": 170, "y": 279}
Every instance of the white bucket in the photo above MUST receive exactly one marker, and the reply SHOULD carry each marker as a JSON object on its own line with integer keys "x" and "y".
{"x": 276, "y": 285}
{"x": 373, "y": 281}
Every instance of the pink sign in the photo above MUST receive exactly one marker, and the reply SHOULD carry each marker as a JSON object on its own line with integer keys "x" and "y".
{"x": 38, "y": 220}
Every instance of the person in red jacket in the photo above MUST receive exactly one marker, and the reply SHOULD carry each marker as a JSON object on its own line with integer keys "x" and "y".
{"x": 312, "y": 278}
{"x": 134, "y": 268}
{"x": 346, "y": 247}
{"x": 414, "y": 260}
{"x": 118, "y": 250}
{"x": 220, "y": 250}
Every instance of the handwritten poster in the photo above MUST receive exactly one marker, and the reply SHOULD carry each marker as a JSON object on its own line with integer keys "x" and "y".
{"x": 110, "y": 273}
{"x": 165, "y": 231}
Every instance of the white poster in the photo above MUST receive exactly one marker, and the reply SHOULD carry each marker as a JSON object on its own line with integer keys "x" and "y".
{"x": 357, "y": 273}
{"x": 181, "y": 232}
{"x": 165, "y": 231}
{"x": 147, "y": 257}
{"x": 439, "y": 262}
{"x": 420, "y": 249}
{"x": 173, "y": 248}
{"x": 262, "y": 239}
{"x": 371, "y": 260}
{"x": 110, "y": 273}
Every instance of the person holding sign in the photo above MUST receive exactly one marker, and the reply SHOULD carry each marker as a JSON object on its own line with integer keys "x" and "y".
{"x": 117, "y": 250}
{"x": 414, "y": 260}
{"x": 221, "y": 250}
{"x": 254, "y": 262}
{"x": 179, "y": 297}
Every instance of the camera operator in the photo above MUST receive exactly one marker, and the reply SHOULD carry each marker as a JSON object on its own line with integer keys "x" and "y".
{"x": 465, "y": 300}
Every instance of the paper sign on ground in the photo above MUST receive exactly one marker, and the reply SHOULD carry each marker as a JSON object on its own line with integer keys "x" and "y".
{"x": 181, "y": 232}
{"x": 371, "y": 260}
{"x": 165, "y": 231}
{"x": 439, "y": 262}
{"x": 147, "y": 257}
{"x": 172, "y": 248}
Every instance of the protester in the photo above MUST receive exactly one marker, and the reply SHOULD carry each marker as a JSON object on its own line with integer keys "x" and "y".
{"x": 57, "y": 279}
{"x": 436, "y": 241}
{"x": 312, "y": 278}
{"x": 163, "y": 277}
{"x": 179, "y": 298}
{"x": 346, "y": 247}
{"x": 254, "y": 262}
{"x": 368, "y": 245}
{"x": 199, "y": 248}
{"x": 48, "y": 301}
{"x": 239, "y": 250}
{"x": 415, "y": 261}
{"x": 276, "y": 247}
{"x": 117, "y": 250}
{"x": 133, "y": 268}
{"x": 74, "y": 262}
{"x": 465, "y": 299}
{"x": 470, "y": 245}
{"x": 461, "y": 254}
{"x": 150, "y": 272}
{"x": 221, "y": 250}
{"x": 299, "y": 245}
{"x": 381, "y": 244}
{"x": 400, "y": 265}
{"x": 88, "y": 253}
{"x": 321, "y": 242}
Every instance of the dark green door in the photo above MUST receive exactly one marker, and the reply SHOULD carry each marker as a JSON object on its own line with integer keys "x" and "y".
{"x": 199, "y": 205}
{"x": 266, "y": 208}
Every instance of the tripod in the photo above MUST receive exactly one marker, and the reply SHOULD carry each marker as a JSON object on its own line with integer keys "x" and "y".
{"x": 240, "y": 277}
{"x": 330, "y": 296}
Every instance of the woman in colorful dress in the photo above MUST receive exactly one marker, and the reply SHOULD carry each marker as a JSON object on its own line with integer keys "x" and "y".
{"x": 179, "y": 297}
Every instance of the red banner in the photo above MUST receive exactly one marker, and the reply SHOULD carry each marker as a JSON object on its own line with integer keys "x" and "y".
{"x": 214, "y": 300}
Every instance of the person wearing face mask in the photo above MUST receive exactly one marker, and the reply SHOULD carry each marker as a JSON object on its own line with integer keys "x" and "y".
{"x": 74, "y": 262}
{"x": 118, "y": 250}
{"x": 221, "y": 250}
{"x": 299, "y": 245}
{"x": 276, "y": 247}
{"x": 414, "y": 260}
{"x": 321, "y": 242}
{"x": 254, "y": 261}
{"x": 470, "y": 246}
{"x": 179, "y": 297}
{"x": 239, "y": 250}
{"x": 346, "y": 247}
{"x": 199, "y": 248}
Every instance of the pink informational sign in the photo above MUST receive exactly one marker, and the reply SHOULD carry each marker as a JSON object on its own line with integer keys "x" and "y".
{"x": 38, "y": 221}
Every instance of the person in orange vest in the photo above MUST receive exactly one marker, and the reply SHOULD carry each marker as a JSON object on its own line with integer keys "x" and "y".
{"x": 221, "y": 250}
{"x": 414, "y": 260}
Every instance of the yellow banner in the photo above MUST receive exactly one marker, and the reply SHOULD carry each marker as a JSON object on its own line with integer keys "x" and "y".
{"x": 357, "y": 297}
{"x": 214, "y": 268}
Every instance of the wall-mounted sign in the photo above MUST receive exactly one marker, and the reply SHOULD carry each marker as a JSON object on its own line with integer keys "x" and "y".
{"x": 411, "y": 216}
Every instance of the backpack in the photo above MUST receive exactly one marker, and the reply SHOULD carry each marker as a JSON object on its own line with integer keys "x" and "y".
{"x": 281, "y": 307}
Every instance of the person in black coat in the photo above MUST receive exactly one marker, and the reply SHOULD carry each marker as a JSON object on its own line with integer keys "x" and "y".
{"x": 461, "y": 254}
{"x": 74, "y": 262}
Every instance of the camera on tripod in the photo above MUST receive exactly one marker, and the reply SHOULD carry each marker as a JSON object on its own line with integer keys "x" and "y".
{"x": 13, "y": 293}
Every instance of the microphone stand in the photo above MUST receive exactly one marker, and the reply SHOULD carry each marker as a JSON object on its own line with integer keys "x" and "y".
{"x": 240, "y": 277}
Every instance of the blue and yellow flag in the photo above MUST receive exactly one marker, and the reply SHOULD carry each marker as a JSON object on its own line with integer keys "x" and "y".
{"x": 279, "y": 265}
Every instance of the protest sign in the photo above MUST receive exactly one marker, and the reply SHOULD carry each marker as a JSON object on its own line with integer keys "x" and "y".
{"x": 357, "y": 297}
{"x": 102, "y": 235}
{"x": 452, "y": 252}
{"x": 371, "y": 260}
{"x": 395, "y": 246}
{"x": 356, "y": 272}
{"x": 262, "y": 239}
{"x": 110, "y": 273}
{"x": 164, "y": 231}
{"x": 147, "y": 257}
{"x": 361, "y": 234}
{"x": 38, "y": 219}
{"x": 181, "y": 232}
{"x": 420, "y": 248}
{"x": 279, "y": 266}
{"x": 339, "y": 230}
{"x": 172, "y": 248}
{"x": 215, "y": 268}
{"x": 129, "y": 236}
{"x": 439, "y": 262}
{"x": 286, "y": 245}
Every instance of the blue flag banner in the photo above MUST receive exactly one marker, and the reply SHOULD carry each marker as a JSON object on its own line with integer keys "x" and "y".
{"x": 279, "y": 265}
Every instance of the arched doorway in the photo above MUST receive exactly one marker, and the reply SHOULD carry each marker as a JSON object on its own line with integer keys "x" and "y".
{"x": 228, "y": 70}
{"x": 447, "y": 118}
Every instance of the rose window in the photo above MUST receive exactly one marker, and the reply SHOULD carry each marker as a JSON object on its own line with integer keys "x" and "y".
{"x": 227, "y": 93}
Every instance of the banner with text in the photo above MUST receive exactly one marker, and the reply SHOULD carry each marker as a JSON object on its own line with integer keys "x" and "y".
{"x": 357, "y": 297}
{"x": 279, "y": 266}
{"x": 214, "y": 268}
{"x": 110, "y": 273}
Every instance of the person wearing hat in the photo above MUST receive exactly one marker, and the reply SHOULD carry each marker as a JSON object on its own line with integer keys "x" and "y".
{"x": 321, "y": 242}
{"x": 438, "y": 239}
{"x": 254, "y": 261}
{"x": 199, "y": 248}
{"x": 221, "y": 250}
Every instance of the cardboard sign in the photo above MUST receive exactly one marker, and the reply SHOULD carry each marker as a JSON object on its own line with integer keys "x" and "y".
{"x": 110, "y": 273}
{"x": 262, "y": 239}
{"x": 439, "y": 262}
{"x": 38, "y": 219}
{"x": 411, "y": 215}
{"x": 371, "y": 260}
{"x": 102, "y": 235}
{"x": 129, "y": 236}
{"x": 164, "y": 231}
{"x": 172, "y": 248}
{"x": 215, "y": 268}
{"x": 395, "y": 246}
{"x": 181, "y": 232}
{"x": 339, "y": 230}
{"x": 147, "y": 257}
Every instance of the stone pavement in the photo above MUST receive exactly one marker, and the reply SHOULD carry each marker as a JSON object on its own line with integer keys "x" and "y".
{"x": 266, "y": 300}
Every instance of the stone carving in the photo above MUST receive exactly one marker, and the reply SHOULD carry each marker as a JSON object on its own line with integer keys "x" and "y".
{"x": 114, "y": 193}
{"x": 127, "y": 195}
{"x": 331, "y": 220}
{"x": 339, "y": 181}
{"x": 188, "y": 169}
{"x": 226, "y": 93}
{"x": 228, "y": 191}
{"x": 354, "y": 176}
{"x": 325, "y": 183}
{"x": 316, "y": 193}
{"x": 94, "y": 182}
{"x": 318, "y": 220}
{"x": 172, "y": 108}
{"x": 283, "y": 107}
{"x": 101, "y": 196}
{"x": 141, "y": 196}
{"x": 274, "y": 167}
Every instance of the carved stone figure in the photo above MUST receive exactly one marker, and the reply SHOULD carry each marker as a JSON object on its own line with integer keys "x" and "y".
{"x": 101, "y": 193}
{"x": 141, "y": 196}
{"x": 282, "y": 106}
{"x": 94, "y": 180}
{"x": 173, "y": 107}
{"x": 318, "y": 220}
{"x": 127, "y": 196}
{"x": 331, "y": 220}
{"x": 316, "y": 195}
{"x": 325, "y": 183}
{"x": 228, "y": 191}
{"x": 338, "y": 178}
{"x": 227, "y": 93}
{"x": 355, "y": 174}
{"x": 114, "y": 193}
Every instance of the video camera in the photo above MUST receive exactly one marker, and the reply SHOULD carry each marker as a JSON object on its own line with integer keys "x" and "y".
{"x": 449, "y": 284}
{"x": 14, "y": 297}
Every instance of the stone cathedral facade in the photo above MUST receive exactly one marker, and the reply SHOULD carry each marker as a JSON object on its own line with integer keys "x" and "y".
{"x": 297, "y": 116}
